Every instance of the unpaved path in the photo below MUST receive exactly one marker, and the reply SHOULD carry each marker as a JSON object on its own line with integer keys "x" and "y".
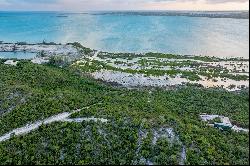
{"x": 63, "y": 117}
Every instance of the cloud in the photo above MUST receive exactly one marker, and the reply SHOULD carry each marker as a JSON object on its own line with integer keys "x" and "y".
{"x": 110, "y": 1}
{"x": 226, "y": 1}
{"x": 208, "y": 1}
{"x": 33, "y": 1}
{"x": 119, "y": 4}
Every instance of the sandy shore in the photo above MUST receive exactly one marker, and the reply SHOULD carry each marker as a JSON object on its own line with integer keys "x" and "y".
{"x": 49, "y": 50}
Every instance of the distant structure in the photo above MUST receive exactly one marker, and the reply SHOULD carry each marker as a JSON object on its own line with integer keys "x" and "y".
{"x": 224, "y": 123}
{"x": 223, "y": 126}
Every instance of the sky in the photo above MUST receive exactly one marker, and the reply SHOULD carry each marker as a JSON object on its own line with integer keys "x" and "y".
{"x": 97, "y": 5}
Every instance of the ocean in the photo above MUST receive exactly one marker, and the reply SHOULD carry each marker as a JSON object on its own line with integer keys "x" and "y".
{"x": 221, "y": 37}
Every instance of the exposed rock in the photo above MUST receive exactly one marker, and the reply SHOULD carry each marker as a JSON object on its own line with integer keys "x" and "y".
{"x": 11, "y": 62}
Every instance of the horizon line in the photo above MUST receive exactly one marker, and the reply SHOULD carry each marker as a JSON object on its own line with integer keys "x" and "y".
{"x": 119, "y": 10}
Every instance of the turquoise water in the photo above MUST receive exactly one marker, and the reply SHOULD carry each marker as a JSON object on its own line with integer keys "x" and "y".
{"x": 222, "y": 37}
{"x": 17, "y": 55}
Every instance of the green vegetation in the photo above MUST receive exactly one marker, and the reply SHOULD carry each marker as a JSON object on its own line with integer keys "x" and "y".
{"x": 31, "y": 92}
{"x": 216, "y": 72}
{"x": 48, "y": 43}
{"x": 82, "y": 49}
{"x": 41, "y": 54}
{"x": 194, "y": 75}
{"x": 215, "y": 120}
{"x": 61, "y": 61}
{"x": 208, "y": 71}
{"x": 196, "y": 65}
{"x": 168, "y": 56}
{"x": 50, "y": 90}
{"x": 97, "y": 66}
{"x": 187, "y": 63}
{"x": 153, "y": 65}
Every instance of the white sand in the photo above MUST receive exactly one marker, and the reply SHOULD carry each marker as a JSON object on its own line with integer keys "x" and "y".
{"x": 39, "y": 60}
{"x": 238, "y": 129}
{"x": 167, "y": 133}
{"x": 79, "y": 120}
{"x": 47, "y": 49}
{"x": 11, "y": 62}
{"x": 134, "y": 80}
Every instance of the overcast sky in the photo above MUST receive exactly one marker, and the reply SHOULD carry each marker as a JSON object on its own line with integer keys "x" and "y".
{"x": 94, "y": 5}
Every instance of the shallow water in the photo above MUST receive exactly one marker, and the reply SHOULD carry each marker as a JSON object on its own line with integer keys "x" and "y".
{"x": 223, "y": 37}
{"x": 17, "y": 55}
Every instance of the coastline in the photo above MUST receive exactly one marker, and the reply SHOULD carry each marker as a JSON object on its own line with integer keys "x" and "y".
{"x": 208, "y": 14}
{"x": 141, "y": 70}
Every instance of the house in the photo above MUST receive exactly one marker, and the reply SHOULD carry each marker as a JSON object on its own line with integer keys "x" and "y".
{"x": 223, "y": 126}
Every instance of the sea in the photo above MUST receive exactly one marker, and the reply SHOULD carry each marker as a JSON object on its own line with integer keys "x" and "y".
{"x": 135, "y": 33}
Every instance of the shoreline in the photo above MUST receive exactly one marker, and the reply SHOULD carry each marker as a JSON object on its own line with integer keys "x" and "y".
{"x": 139, "y": 70}
{"x": 236, "y": 14}
{"x": 57, "y": 48}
